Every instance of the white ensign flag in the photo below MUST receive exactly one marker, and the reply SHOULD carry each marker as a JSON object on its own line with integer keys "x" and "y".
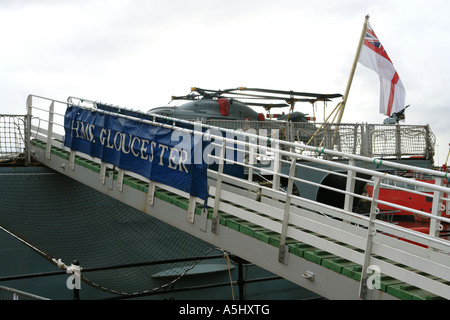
{"x": 392, "y": 91}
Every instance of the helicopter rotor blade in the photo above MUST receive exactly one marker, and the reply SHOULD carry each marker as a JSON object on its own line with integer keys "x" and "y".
{"x": 253, "y": 96}
{"x": 292, "y": 93}
{"x": 267, "y": 106}
{"x": 186, "y": 97}
{"x": 240, "y": 92}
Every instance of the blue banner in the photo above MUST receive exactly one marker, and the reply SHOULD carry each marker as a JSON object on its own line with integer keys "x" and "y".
{"x": 159, "y": 154}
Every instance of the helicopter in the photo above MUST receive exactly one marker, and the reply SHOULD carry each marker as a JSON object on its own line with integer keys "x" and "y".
{"x": 233, "y": 104}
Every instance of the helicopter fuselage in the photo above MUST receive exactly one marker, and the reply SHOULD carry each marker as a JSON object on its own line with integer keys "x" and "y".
{"x": 227, "y": 109}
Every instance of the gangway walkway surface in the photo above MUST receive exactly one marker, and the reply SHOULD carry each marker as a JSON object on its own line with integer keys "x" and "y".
{"x": 332, "y": 251}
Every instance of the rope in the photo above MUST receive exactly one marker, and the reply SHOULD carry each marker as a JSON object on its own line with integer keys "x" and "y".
{"x": 143, "y": 292}
{"x": 226, "y": 256}
{"x": 40, "y": 252}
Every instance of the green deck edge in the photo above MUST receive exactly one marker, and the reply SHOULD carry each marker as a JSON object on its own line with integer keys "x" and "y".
{"x": 394, "y": 287}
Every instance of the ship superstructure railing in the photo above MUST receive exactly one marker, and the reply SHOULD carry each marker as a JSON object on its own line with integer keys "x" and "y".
{"x": 264, "y": 199}
{"x": 370, "y": 140}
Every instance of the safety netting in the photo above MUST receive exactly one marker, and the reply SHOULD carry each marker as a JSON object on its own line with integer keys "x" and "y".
{"x": 370, "y": 140}
{"x": 12, "y": 136}
{"x": 67, "y": 220}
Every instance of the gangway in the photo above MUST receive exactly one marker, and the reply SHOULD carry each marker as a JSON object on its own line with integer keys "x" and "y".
{"x": 331, "y": 250}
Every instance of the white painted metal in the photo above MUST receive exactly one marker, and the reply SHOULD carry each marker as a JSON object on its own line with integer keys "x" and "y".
{"x": 284, "y": 249}
{"x": 365, "y": 240}
{"x": 191, "y": 209}
{"x": 50, "y": 129}
{"x": 151, "y": 193}
{"x": 371, "y": 232}
{"x": 350, "y": 187}
{"x": 119, "y": 185}
{"x": 219, "y": 187}
{"x": 436, "y": 209}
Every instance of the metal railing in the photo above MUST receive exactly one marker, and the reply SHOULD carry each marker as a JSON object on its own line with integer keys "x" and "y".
{"x": 370, "y": 140}
{"x": 13, "y": 294}
{"x": 12, "y": 136}
{"x": 419, "y": 259}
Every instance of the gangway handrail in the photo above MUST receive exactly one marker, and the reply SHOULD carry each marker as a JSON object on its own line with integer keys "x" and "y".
{"x": 291, "y": 154}
{"x": 287, "y": 214}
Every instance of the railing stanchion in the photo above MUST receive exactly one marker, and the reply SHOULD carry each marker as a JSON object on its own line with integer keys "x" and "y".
{"x": 151, "y": 193}
{"x": 436, "y": 210}
{"x": 371, "y": 232}
{"x": 284, "y": 250}
{"x": 191, "y": 209}
{"x": 251, "y": 159}
{"x": 350, "y": 187}
{"x": 275, "y": 146}
{"x": 218, "y": 187}
{"x": 50, "y": 130}
{"x": 28, "y": 128}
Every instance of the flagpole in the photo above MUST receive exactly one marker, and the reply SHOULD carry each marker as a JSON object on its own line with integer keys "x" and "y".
{"x": 352, "y": 73}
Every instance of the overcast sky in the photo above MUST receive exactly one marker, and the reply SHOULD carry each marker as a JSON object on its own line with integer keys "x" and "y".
{"x": 138, "y": 53}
